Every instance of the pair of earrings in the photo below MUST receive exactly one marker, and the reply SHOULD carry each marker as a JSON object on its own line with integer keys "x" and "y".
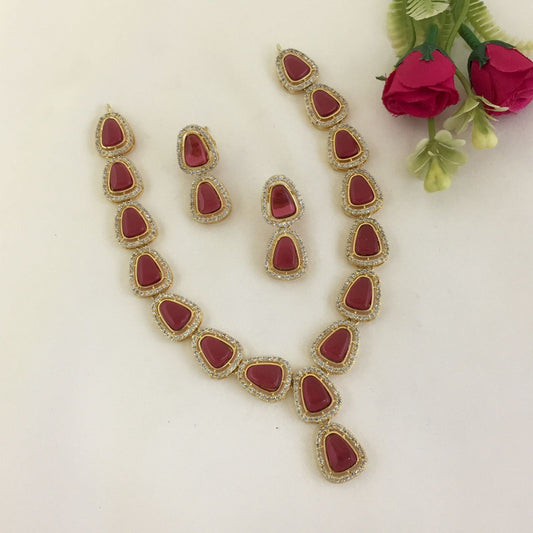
{"x": 209, "y": 200}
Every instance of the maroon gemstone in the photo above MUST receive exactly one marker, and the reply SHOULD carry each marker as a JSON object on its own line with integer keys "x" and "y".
{"x": 341, "y": 456}
{"x": 361, "y": 193}
{"x": 346, "y": 145}
{"x": 336, "y": 345}
{"x": 281, "y": 202}
{"x": 266, "y": 376}
{"x": 359, "y": 296}
{"x": 324, "y": 103}
{"x": 195, "y": 152}
{"x": 176, "y": 315}
{"x": 296, "y": 68}
{"x": 133, "y": 224}
{"x": 285, "y": 256}
{"x": 120, "y": 178}
{"x": 315, "y": 394}
{"x": 216, "y": 351}
{"x": 367, "y": 242}
{"x": 112, "y": 134}
{"x": 148, "y": 272}
{"x": 207, "y": 198}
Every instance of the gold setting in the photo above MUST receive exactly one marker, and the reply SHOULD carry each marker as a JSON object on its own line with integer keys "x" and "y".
{"x": 140, "y": 240}
{"x": 356, "y": 160}
{"x": 209, "y": 144}
{"x": 327, "y": 364}
{"x": 319, "y": 416}
{"x": 127, "y": 194}
{"x": 192, "y": 324}
{"x": 128, "y": 139}
{"x": 267, "y": 200}
{"x": 230, "y": 366}
{"x": 225, "y": 201}
{"x": 288, "y": 83}
{"x": 263, "y": 394}
{"x": 322, "y": 457}
{"x": 362, "y": 209}
{"x": 300, "y": 250}
{"x": 363, "y": 261}
{"x": 166, "y": 274}
{"x": 318, "y": 120}
{"x": 356, "y": 314}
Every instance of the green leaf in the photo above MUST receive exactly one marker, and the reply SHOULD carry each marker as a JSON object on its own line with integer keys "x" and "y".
{"x": 424, "y": 9}
{"x": 400, "y": 28}
{"x": 484, "y": 26}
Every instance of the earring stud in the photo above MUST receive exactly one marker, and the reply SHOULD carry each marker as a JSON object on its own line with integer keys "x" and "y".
{"x": 197, "y": 155}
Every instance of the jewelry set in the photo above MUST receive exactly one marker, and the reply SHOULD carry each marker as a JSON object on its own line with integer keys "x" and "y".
{"x": 269, "y": 378}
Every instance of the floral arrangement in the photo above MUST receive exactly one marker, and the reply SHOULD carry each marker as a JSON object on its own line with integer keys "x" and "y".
{"x": 499, "y": 82}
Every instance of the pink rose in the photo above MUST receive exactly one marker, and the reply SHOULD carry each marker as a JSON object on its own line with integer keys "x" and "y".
{"x": 502, "y": 75}
{"x": 421, "y": 87}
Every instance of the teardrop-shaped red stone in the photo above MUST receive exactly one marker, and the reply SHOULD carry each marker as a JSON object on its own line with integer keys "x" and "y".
{"x": 176, "y": 315}
{"x": 324, "y": 103}
{"x": 216, "y": 351}
{"x": 282, "y": 203}
{"x": 120, "y": 178}
{"x": 361, "y": 192}
{"x": 359, "y": 296}
{"x": 194, "y": 151}
{"x": 366, "y": 241}
{"x": 132, "y": 222}
{"x": 315, "y": 394}
{"x": 296, "y": 67}
{"x": 207, "y": 198}
{"x": 346, "y": 145}
{"x": 285, "y": 255}
{"x": 148, "y": 271}
{"x": 336, "y": 345}
{"x": 341, "y": 456}
{"x": 112, "y": 134}
{"x": 265, "y": 375}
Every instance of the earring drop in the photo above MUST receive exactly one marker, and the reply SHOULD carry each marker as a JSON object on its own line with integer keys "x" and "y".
{"x": 281, "y": 206}
{"x": 197, "y": 155}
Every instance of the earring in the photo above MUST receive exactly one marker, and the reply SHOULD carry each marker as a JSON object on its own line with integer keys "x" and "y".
{"x": 281, "y": 206}
{"x": 197, "y": 155}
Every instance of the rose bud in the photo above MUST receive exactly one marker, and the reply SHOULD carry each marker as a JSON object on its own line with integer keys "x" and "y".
{"x": 502, "y": 75}
{"x": 423, "y": 83}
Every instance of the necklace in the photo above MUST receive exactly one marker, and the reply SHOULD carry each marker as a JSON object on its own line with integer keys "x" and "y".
{"x": 339, "y": 454}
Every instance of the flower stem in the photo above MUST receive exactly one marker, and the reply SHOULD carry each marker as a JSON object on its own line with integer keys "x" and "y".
{"x": 432, "y": 34}
{"x": 464, "y": 81}
{"x": 468, "y": 35}
{"x": 431, "y": 128}
{"x": 460, "y": 14}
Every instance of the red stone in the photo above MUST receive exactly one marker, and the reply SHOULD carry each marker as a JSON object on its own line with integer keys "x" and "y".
{"x": 360, "y": 294}
{"x": 296, "y": 68}
{"x": 361, "y": 193}
{"x": 346, "y": 145}
{"x": 112, "y": 134}
{"x": 216, "y": 351}
{"x": 195, "y": 151}
{"x": 341, "y": 456}
{"x": 336, "y": 345}
{"x": 120, "y": 178}
{"x": 133, "y": 224}
{"x": 324, "y": 103}
{"x": 315, "y": 395}
{"x": 266, "y": 376}
{"x": 148, "y": 271}
{"x": 285, "y": 255}
{"x": 207, "y": 198}
{"x": 366, "y": 241}
{"x": 176, "y": 315}
{"x": 282, "y": 203}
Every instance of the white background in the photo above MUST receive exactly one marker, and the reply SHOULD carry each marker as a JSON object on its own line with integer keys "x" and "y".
{"x": 107, "y": 426}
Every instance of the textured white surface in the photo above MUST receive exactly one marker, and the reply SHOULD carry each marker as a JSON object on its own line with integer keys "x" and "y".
{"x": 107, "y": 426}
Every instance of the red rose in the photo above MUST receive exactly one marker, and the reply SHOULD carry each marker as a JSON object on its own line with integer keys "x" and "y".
{"x": 421, "y": 87}
{"x": 502, "y": 75}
